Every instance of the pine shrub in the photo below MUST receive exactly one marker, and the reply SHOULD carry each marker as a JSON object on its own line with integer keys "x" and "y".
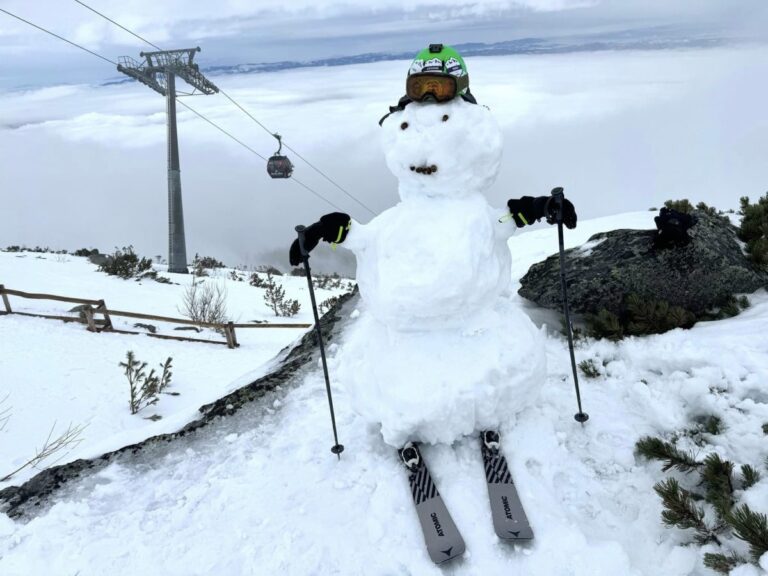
{"x": 208, "y": 262}
{"x": 754, "y": 229}
{"x": 144, "y": 388}
{"x": 326, "y": 305}
{"x": 752, "y": 528}
{"x": 267, "y": 269}
{"x": 328, "y": 281}
{"x": 721, "y": 563}
{"x": 656, "y": 449}
{"x": 685, "y": 509}
{"x": 589, "y": 369}
{"x": 605, "y": 324}
{"x": 749, "y": 476}
{"x": 126, "y": 264}
{"x": 274, "y": 297}
{"x": 710, "y": 424}
{"x": 683, "y": 205}
{"x": 647, "y": 316}
{"x": 257, "y": 281}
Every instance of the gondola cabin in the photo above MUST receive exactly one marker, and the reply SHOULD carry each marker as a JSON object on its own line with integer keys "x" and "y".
{"x": 278, "y": 166}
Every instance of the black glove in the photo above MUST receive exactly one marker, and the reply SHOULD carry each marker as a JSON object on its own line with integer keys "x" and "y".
{"x": 528, "y": 210}
{"x": 332, "y": 227}
{"x": 569, "y": 212}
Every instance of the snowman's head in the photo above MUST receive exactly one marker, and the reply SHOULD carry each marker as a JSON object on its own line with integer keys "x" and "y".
{"x": 451, "y": 149}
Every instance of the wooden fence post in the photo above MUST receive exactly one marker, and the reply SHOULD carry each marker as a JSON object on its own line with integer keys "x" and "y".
{"x": 231, "y": 327}
{"x": 88, "y": 312}
{"x": 107, "y": 320}
{"x": 228, "y": 334}
{"x": 5, "y": 300}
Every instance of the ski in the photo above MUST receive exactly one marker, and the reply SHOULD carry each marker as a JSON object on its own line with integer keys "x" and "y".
{"x": 509, "y": 519}
{"x": 443, "y": 540}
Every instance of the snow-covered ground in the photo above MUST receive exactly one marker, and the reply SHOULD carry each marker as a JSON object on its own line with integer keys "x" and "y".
{"x": 260, "y": 493}
{"x": 55, "y": 375}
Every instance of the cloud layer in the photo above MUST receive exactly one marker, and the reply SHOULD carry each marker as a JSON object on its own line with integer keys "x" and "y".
{"x": 86, "y": 166}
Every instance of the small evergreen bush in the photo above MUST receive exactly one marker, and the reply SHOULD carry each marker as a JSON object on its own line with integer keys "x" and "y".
{"x": 327, "y": 281}
{"x": 208, "y": 262}
{"x": 326, "y": 305}
{"x": 274, "y": 297}
{"x": 683, "y": 205}
{"x": 641, "y": 316}
{"x": 269, "y": 270}
{"x": 589, "y": 369}
{"x": 257, "y": 281}
{"x": 126, "y": 264}
{"x": 144, "y": 388}
{"x": 754, "y": 229}
{"x": 715, "y": 491}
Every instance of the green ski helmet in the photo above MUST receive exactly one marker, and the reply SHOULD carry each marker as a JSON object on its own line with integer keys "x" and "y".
{"x": 438, "y": 73}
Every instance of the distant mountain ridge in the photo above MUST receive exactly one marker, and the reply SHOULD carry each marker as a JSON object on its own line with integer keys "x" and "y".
{"x": 629, "y": 40}
{"x": 661, "y": 38}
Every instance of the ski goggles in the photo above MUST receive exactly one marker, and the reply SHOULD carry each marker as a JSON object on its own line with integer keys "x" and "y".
{"x": 440, "y": 87}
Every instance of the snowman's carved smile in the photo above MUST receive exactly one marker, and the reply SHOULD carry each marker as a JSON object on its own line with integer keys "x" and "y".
{"x": 424, "y": 169}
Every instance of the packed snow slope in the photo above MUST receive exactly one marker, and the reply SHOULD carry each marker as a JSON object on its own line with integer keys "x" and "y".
{"x": 260, "y": 493}
{"x": 53, "y": 375}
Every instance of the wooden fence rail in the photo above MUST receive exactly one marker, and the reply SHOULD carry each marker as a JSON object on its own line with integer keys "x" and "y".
{"x": 93, "y": 324}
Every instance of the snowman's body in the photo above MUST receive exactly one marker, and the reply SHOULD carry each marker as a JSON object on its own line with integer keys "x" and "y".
{"x": 439, "y": 351}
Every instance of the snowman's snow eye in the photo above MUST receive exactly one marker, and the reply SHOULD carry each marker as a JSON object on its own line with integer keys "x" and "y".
{"x": 445, "y": 117}
{"x": 404, "y": 125}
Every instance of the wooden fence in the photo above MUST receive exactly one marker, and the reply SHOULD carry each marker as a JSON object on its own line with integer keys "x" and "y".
{"x": 89, "y": 309}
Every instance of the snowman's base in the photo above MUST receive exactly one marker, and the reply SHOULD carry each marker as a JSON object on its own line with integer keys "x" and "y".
{"x": 439, "y": 385}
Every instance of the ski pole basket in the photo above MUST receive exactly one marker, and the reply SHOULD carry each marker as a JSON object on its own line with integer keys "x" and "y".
{"x": 279, "y": 166}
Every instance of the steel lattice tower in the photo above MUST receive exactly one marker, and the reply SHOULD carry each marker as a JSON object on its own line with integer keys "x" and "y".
{"x": 159, "y": 71}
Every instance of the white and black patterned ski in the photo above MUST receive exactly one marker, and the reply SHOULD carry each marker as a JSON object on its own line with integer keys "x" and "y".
{"x": 509, "y": 519}
{"x": 442, "y": 537}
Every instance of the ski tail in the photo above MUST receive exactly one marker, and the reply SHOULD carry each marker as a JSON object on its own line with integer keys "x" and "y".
{"x": 509, "y": 519}
{"x": 441, "y": 536}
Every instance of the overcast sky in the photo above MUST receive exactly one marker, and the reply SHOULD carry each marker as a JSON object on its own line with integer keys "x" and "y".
{"x": 84, "y": 165}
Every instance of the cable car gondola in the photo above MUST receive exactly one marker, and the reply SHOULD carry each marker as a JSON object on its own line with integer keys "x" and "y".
{"x": 279, "y": 166}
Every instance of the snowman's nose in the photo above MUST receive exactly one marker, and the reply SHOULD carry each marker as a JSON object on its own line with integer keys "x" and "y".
{"x": 424, "y": 169}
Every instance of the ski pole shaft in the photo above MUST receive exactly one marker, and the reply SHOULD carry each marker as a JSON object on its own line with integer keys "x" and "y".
{"x": 557, "y": 198}
{"x": 337, "y": 448}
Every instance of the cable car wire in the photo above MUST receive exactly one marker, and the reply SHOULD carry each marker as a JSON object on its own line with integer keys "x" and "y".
{"x": 84, "y": 5}
{"x": 208, "y": 120}
{"x": 57, "y": 36}
{"x": 251, "y": 116}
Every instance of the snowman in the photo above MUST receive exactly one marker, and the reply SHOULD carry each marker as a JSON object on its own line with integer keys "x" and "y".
{"x": 439, "y": 351}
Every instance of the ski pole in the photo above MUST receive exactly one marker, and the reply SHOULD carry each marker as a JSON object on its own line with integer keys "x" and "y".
{"x": 337, "y": 448}
{"x": 557, "y": 198}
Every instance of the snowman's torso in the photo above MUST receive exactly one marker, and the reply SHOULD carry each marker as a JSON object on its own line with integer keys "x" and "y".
{"x": 437, "y": 353}
{"x": 429, "y": 263}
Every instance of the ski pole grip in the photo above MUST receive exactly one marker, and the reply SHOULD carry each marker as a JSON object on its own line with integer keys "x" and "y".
{"x": 557, "y": 199}
{"x": 301, "y": 231}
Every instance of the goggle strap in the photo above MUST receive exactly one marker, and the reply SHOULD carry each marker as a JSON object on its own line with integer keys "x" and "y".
{"x": 462, "y": 83}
